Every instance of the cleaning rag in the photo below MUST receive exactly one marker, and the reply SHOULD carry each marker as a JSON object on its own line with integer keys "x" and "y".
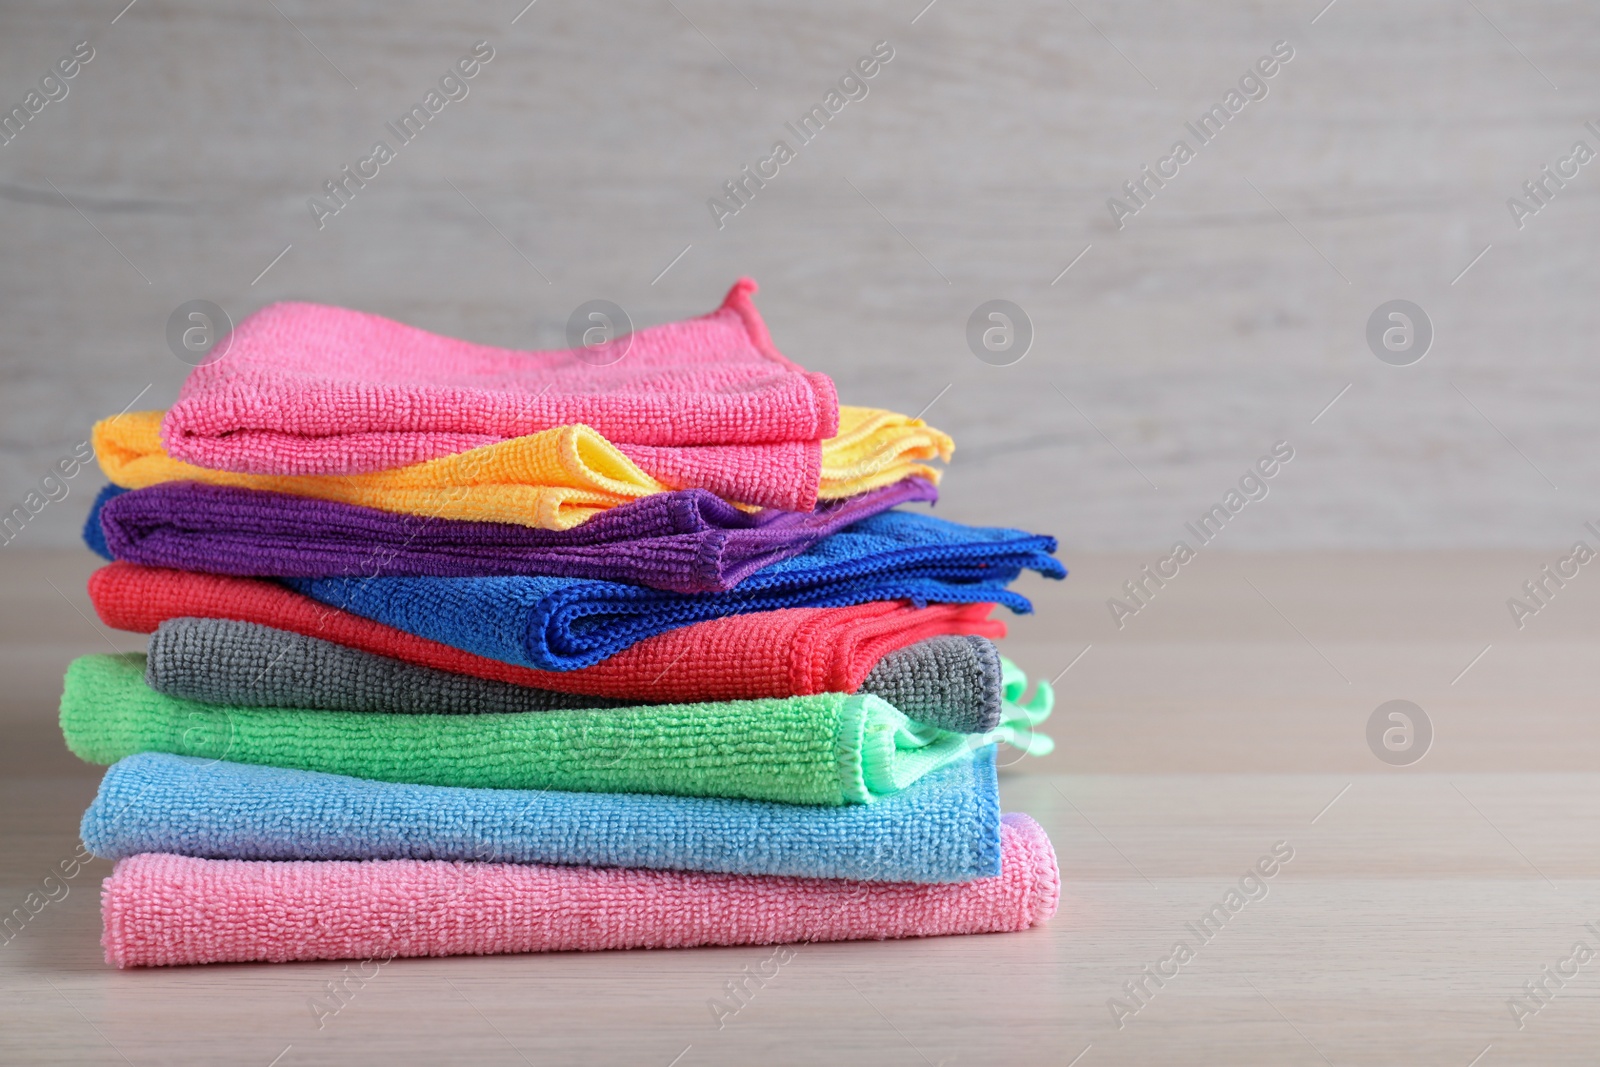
{"x": 687, "y": 542}
{"x": 955, "y": 682}
{"x": 560, "y": 624}
{"x": 311, "y": 389}
{"x": 164, "y": 909}
{"x": 789, "y": 652}
{"x": 560, "y": 477}
{"x": 829, "y": 748}
{"x": 942, "y": 828}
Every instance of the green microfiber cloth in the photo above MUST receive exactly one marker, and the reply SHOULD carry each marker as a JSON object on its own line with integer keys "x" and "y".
{"x": 830, "y": 748}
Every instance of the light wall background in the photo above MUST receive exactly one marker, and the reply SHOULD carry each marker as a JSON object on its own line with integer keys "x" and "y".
{"x": 1222, "y": 319}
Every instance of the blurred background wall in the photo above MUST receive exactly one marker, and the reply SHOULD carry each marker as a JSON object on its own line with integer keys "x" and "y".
{"x": 1222, "y": 317}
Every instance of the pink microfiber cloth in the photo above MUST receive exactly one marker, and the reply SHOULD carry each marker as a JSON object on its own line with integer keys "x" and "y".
{"x": 311, "y": 389}
{"x": 166, "y": 909}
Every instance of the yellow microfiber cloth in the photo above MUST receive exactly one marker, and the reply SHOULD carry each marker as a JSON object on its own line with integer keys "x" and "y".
{"x": 554, "y": 480}
{"x": 876, "y": 448}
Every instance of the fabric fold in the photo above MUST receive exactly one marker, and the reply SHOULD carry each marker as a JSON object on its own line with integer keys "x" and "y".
{"x": 558, "y": 478}
{"x": 829, "y": 748}
{"x": 742, "y": 657}
{"x": 159, "y": 909}
{"x": 876, "y": 448}
{"x": 687, "y": 542}
{"x": 957, "y": 683}
{"x": 313, "y": 389}
{"x": 561, "y": 624}
{"x": 943, "y": 828}
{"x": 552, "y": 480}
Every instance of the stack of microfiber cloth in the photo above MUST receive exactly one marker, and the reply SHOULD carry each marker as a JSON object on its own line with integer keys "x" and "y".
{"x": 465, "y": 650}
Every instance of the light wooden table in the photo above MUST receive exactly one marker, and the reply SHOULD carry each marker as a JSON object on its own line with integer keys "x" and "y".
{"x": 1418, "y": 899}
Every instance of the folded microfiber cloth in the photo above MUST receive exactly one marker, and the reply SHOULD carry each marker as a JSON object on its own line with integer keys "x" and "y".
{"x": 94, "y": 534}
{"x": 771, "y": 653}
{"x": 554, "y": 479}
{"x": 558, "y": 478}
{"x": 559, "y": 624}
{"x": 162, "y": 909}
{"x": 942, "y": 828}
{"x": 312, "y": 389}
{"x": 830, "y": 748}
{"x": 685, "y": 542}
{"x": 957, "y": 683}
{"x": 876, "y": 448}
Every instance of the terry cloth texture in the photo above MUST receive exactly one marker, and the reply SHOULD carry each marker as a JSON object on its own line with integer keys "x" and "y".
{"x": 555, "y": 479}
{"x": 163, "y": 909}
{"x": 94, "y": 534}
{"x": 686, "y": 542}
{"x": 829, "y": 748}
{"x": 560, "y": 624}
{"x": 312, "y": 389}
{"x": 875, "y": 448}
{"x": 944, "y": 828}
{"x": 219, "y": 661}
{"x": 560, "y": 477}
{"x": 958, "y": 683}
{"x": 742, "y": 657}
{"x": 953, "y": 682}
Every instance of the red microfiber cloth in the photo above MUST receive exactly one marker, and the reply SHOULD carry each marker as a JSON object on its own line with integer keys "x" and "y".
{"x": 791, "y": 652}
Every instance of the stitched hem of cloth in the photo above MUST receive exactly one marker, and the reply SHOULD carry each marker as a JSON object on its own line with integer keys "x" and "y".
{"x": 849, "y": 742}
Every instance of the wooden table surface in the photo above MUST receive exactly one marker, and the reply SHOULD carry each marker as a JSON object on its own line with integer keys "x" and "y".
{"x": 1209, "y": 731}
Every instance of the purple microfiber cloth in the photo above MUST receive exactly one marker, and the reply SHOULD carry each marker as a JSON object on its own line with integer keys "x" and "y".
{"x": 683, "y": 542}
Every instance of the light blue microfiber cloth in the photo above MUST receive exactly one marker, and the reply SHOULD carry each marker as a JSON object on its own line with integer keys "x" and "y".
{"x": 943, "y": 828}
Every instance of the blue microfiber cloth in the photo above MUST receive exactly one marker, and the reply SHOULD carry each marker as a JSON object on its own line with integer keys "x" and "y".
{"x": 93, "y": 535}
{"x": 943, "y": 828}
{"x": 561, "y": 624}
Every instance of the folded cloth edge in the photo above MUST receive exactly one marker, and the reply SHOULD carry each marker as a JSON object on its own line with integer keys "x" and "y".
{"x": 1025, "y": 894}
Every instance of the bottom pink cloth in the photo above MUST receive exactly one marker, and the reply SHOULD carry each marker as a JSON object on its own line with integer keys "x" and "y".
{"x": 165, "y": 909}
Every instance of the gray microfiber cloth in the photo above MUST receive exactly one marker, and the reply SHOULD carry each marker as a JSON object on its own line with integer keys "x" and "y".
{"x": 954, "y": 682}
